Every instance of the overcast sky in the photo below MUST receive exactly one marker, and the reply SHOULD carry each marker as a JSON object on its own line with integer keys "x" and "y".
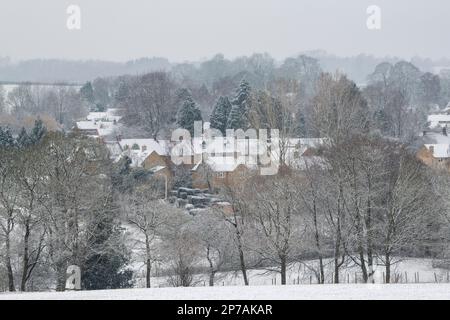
{"x": 194, "y": 29}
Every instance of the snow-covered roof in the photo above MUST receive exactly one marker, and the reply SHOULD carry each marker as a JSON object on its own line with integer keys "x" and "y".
{"x": 108, "y": 115}
{"x": 102, "y": 128}
{"x": 105, "y": 123}
{"x": 139, "y": 149}
{"x": 439, "y": 150}
{"x": 438, "y": 120}
{"x": 146, "y": 145}
{"x": 87, "y": 125}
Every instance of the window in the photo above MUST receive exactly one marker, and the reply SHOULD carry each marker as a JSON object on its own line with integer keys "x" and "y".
{"x": 220, "y": 175}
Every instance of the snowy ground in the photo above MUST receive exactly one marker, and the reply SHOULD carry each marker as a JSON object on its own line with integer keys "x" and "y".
{"x": 409, "y": 270}
{"x": 297, "y": 292}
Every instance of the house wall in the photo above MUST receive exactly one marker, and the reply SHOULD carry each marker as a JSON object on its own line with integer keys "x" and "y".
{"x": 219, "y": 180}
{"x": 154, "y": 160}
{"x": 428, "y": 159}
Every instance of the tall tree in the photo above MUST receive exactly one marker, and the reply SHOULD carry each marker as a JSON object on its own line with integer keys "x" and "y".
{"x": 220, "y": 114}
{"x": 188, "y": 114}
{"x": 237, "y": 118}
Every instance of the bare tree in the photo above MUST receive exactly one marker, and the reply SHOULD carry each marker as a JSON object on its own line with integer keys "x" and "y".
{"x": 403, "y": 222}
{"x": 30, "y": 217}
{"x": 8, "y": 208}
{"x": 215, "y": 241}
{"x": 146, "y": 211}
{"x": 276, "y": 216}
{"x": 149, "y": 102}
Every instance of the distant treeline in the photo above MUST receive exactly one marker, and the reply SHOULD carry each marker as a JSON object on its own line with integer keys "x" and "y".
{"x": 357, "y": 67}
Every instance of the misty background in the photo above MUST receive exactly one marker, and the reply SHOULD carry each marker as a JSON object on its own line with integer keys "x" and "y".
{"x": 37, "y": 46}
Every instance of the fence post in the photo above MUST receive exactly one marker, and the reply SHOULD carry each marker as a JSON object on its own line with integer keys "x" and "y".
{"x": 406, "y": 277}
{"x": 348, "y": 278}
{"x": 310, "y": 279}
{"x": 435, "y": 277}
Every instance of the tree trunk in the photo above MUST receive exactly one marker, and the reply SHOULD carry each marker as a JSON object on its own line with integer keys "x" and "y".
{"x": 368, "y": 232}
{"x": 211, "y": 278}
{"x": 147, "y": 275}
{"x": 388, "y": 268}
{"x": 148, "y": 262}
{"x": 337, "y": 250}
{"x": 26, "y": 258}
{"x": 9, "y": 270}
{"x": 212, "y": 271}
{"x": 283, "y": 270}
{"x": 241, "y": 252}
{"x": 61, "y": 271}
{"x": 319, "y": 249}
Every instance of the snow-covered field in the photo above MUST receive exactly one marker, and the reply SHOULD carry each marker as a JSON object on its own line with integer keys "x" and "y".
{"x": 297, "y": 292}
{"x": 408, "y": 270}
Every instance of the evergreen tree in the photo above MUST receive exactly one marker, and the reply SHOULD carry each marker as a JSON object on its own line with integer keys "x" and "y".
{"x": 38, "y": 132}
{"x": 87, "y": 93}
{"x": 301, "y": 126}
{"x": 105, "y": 266}
{"x": 237, "y": 119}
{"x": 188, "y": 114}
{"x": 181, "y": 95}
{"x": 219, "y": 117}
{"x": 23, "y": 140}
{"x": 6, "y": 138}
{"x": 122, "y": 93}
{"x": 242, "y": 94}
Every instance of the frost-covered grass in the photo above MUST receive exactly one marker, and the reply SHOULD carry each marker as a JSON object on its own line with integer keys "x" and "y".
{"x": 297, "y": 292}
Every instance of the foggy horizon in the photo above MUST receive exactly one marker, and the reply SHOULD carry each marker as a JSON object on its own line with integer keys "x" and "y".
{"x": 197, "y": 30}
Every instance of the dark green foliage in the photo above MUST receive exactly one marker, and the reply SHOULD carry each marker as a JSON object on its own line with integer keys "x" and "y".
{"x": 188, "y": 114}
{"x": 105, "y": 266}
{"x": 23, "y": 140}
{"x": 6, "y": 138}
{"x": 35, "y": 136}
{"x": 237, "y": 118}
{"x": 87, "y": 93}
{"x": 38, "y": 132}
{"x": 219, "y": 117}
{"x": 125, "y": 178}
{"x": 301, "y": 127}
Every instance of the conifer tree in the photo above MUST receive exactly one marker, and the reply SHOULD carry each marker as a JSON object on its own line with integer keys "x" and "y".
{"x": 38, "y": 132}
{"x": 237, "y": 119}
{"x": 23, "y": 140}
{"x": 188, "y": 114}
{"x": 6, "y": 138}
{"x": 219, "y": 117}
